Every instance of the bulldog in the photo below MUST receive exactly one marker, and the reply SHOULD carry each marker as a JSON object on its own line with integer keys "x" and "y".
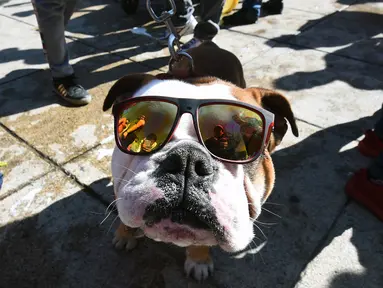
{"x": 176, "y": 179}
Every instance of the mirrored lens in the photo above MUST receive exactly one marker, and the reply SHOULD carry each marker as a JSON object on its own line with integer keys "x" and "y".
{"x": 231, "y": 132}
{"x": 144, "y": 126}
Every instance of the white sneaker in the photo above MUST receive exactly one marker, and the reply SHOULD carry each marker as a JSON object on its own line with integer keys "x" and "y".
{"x": 187, "y": 29}
{"x": 189, "y": 26}
{"x": 191, "y": 22}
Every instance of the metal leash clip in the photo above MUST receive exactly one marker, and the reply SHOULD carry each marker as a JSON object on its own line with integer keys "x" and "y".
{"x": 174, "y": 39}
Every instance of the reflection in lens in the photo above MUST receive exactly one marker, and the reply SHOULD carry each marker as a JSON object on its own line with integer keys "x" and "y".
{"x": 143, "y": 126}
{"x": 231, "y": 132}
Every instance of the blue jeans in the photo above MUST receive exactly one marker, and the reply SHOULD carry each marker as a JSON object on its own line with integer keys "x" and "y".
{"x": 376, "y": 168}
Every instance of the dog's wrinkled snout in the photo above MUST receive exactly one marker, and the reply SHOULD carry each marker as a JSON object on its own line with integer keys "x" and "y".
{"x": 188, "y": 161}
{"x": 186, "y": 175}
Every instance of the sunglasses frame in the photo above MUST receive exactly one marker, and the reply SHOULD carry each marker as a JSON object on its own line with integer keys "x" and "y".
{"x": 192, "y": 106}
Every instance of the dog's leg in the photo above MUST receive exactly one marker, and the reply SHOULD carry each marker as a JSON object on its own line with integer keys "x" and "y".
{"x": 198, "y": 262}
{"x": 126, "y": 237}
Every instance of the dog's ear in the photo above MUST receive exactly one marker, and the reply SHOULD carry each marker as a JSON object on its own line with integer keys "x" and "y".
{"x": 280, "y": 106}
{"x": 126, "y": 86}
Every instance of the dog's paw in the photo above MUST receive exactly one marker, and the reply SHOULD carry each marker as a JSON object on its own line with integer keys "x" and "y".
{"x": 124, "y": 238}
{"x": 127, "y": 243}
{"x": 198, "y": 270}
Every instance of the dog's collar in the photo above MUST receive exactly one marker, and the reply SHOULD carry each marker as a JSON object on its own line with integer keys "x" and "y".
{"x": 179, "y": 75}
{"x": 180, "y": 69}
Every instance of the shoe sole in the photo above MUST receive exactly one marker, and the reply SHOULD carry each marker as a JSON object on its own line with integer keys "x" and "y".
{"x": 76, "y": 102}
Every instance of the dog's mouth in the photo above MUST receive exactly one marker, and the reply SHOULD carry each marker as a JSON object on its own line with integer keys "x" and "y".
{"x": 184, "y": 217}
{"x": 179, "y": 216}
{"x": 183, "y": 221}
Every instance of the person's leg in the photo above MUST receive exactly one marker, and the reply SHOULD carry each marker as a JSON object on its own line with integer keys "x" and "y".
{"x": 251, "y": 11}
{"x": 248, "y": 14}
{"x": 211, "y": 10}
{"x": 272, "y": 7}
{"x": 208, "y": 27}
{"x": 181, "y": 8}
{"x": 252, "y": 4}
{"x": 184, "y": 20}
{"x": 52, "y": 16}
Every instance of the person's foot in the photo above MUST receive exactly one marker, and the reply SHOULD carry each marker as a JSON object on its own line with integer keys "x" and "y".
{"x": 272, "y": 7}
{"x": 371, "y": 145}
{"x": 72, "y": 92}
{"x": 204, "y": 31}
{"x": 368, "y": 192}
{"x": 244, "y": 16}
{"x": 182, "y": 30}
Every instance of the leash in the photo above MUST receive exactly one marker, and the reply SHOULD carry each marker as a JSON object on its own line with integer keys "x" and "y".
{"x": 178, "y": 58}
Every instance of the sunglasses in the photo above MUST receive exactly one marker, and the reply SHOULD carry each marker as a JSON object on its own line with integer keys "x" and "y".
{"x": 231, "y": 131}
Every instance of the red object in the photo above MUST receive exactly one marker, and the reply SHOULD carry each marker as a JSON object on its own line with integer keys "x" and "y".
{"x": 121, "y": 124}
{"x": 371, "y": 145}
{"x": 363, "y": 191}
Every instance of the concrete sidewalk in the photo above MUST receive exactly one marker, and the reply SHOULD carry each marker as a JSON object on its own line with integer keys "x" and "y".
{"x": 326, "y": 56}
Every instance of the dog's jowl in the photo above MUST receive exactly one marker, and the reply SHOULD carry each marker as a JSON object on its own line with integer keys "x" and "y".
{"x": 192, "y": 164}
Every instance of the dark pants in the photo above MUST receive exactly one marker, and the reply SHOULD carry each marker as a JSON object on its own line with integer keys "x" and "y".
{"x": 210, "y": 10}
{"x": 375, "y": 170}
{"x": 254, "y": 4}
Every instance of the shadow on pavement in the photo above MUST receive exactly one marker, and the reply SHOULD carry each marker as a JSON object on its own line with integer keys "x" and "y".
{"x": 367, "y": 231}
{"x": 65, "y": 244}
{"x": 108, "y": 28}
{"x": 362, "y": 40}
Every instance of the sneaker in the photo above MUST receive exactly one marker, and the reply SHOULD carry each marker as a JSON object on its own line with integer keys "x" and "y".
{"x": 186, "y": 29}
{"x": 371, "y": 145}
{"x": 244, "y": 16}
{"x": 272, "y": 7}
{"x": 192, "y": 43}
{"x": 365, "y": 192}
{"x": 72, "y": 92}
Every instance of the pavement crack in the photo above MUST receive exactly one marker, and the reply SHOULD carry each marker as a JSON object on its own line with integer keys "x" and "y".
{"x": 22, "y": 186}
{"x": 349, "y": 137}
{"x": 18, "y": 20}
{"x": 53, "y": 163}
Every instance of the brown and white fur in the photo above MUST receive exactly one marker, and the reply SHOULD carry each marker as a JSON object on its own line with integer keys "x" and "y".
{"x": 227, "y": 200}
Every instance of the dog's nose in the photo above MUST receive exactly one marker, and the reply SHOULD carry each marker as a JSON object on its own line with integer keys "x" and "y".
{"x": 186, "y": 175}
{"x": 189, "y": 161}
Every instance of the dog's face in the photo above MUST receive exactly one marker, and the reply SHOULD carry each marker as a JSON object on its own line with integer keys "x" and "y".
{"x": 181, "y": 194}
